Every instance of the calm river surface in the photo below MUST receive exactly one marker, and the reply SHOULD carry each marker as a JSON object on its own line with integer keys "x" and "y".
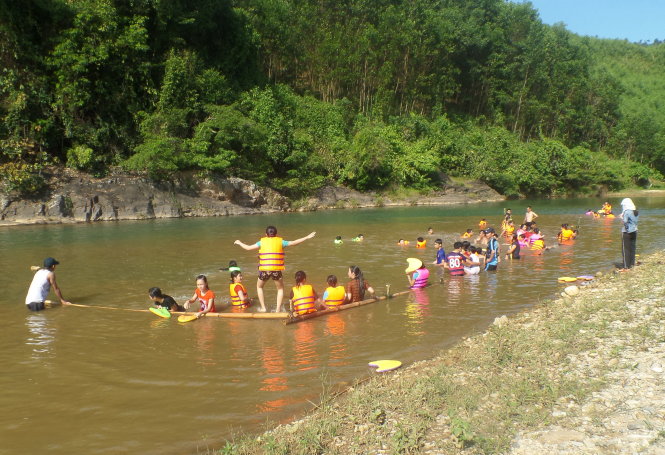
{"x": 83, "y": 380}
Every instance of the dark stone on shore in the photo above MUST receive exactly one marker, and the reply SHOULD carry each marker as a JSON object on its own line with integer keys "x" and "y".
{"x": 76, "y": 197}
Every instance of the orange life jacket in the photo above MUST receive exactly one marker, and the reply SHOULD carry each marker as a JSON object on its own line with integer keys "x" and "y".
{"x": 271, "y": 254}
{"x": 303, "y": 299}
{"x": 235, "y": 298}
{"x": 335, "y": 296}
{"x": 422, "y": 244}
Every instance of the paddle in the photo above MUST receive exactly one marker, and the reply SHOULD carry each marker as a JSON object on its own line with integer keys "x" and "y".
{"x": 187, "y": 318}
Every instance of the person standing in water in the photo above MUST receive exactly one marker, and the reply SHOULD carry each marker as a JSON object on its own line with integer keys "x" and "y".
{"x": 41, "y": 284}
{"x": 530, "y": 216}
{"x": 492, "y": 253}
{"x": 629, "y": 217}
{"x": 271, "y": 262}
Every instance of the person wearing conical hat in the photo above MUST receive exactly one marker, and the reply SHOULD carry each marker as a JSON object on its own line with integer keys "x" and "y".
{"x": 416, "y": 273}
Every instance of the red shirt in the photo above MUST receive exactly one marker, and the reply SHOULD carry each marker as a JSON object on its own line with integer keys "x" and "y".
{"x": 456, "y": 263}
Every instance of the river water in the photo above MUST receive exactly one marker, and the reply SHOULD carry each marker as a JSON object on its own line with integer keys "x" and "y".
{"x": 89, "y": 380}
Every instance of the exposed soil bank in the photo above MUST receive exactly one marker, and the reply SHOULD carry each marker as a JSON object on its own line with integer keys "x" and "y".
{"x": 580, "y": 374}
{"x": 76, "y": 197}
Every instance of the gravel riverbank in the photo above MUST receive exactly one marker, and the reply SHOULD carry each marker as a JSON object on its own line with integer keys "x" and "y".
{"x": 580, "y": 374}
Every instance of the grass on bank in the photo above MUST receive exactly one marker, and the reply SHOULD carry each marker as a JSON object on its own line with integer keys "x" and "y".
{"x": 476, "y": 396}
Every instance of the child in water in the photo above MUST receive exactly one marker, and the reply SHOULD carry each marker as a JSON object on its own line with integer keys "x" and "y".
{"x": 359, "y": 238}
{"x": 303, "y": 296}
{"x": 338, "y": 240}
{"x": 468, "y": 234}
{"x": 403, "y": 242}
{"x": 239, "y": 296}
{"x": 163, "y": 300}
{"x": 421, "y": 242}
{"x": 334, "y": 295}
{"x": 416, "y": 273}
{"x": 204, "y": 295}
{"x": 233, "y": 267}
{"x": 472, "y": 264}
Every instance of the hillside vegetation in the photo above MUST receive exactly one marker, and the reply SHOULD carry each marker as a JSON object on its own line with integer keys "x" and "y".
{"x": 293, "y": 94}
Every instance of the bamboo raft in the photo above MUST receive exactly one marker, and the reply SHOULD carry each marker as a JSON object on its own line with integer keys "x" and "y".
{"x": 287, "y": 317}
{"x": 190, "y": 313}
{"x": 305, "y": 317}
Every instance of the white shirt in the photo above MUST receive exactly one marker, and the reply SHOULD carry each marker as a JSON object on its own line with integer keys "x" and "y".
{"x": 39, "y": 288}
{"x": 473, "y": 270}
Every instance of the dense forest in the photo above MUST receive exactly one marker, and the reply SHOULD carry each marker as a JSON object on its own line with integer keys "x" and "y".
{"x": 296, "y": 94}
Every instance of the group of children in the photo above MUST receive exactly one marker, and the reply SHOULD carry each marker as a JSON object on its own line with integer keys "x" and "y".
{"x": 464, "y": 259}
{"x": 304, "y": 299}
{"x": 605, "y": 211}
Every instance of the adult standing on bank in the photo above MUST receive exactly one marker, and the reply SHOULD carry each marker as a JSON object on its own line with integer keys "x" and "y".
{"x": 271, "y": 262}
{"x": 529, "y": 216}
{"x": 629, "y": 217}
{"x": 42, "y": 283}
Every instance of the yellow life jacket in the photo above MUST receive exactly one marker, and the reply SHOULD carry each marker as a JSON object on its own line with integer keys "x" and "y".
{"x": 566, "y": 234}
{"x": 271, "y": 254}
{"x": 538, "y": 244}
{"x": 466, "y": 235}
{"x": 422, "y": 244}
{"x": 335, "y": 296}
{"x": 303, "y": 299}
{"x": 510, "y": 229}
{"x": 235, "y": 298}
{"x": 482, "y": 224}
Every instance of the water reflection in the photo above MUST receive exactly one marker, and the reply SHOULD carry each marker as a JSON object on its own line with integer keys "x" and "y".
{"x": 305, "y": 346}
{"x": 274, "y": 381}
{"x": 335, "y": 329}
{"x": 416, "y": 310}
{"x": 41, "y": 335}
{"x": 204, "y": 333}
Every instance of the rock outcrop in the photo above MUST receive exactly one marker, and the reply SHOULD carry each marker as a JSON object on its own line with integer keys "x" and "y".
{"x": 76, "y": 197}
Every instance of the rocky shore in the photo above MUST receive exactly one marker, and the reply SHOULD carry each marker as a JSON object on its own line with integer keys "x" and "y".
{"x": 74, "y": 197}
{"x": 580, "y": 374}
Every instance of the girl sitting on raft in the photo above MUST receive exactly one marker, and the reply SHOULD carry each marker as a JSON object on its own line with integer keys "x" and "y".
{"x": 204, "y": 295}
{"x": 303, "y": 296}
{"x": 334, "y": 295}
{"x": 355, "y": 289}
{"x": 239, "y": 296}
